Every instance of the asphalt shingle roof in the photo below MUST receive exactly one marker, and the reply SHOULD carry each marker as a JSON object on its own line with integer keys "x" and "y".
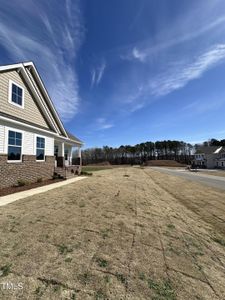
{"x": 73, "y": 137}
{"x": 207, "y": 149}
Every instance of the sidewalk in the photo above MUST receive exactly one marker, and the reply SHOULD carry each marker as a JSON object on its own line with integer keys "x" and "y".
{"x": 20, "y": 195}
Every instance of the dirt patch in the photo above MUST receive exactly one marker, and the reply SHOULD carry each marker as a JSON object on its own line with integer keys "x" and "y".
{"x": 145, "y": 235}
{"x": 164, "y": 163}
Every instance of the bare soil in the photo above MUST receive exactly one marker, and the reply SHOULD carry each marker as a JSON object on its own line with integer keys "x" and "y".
{"x": 164, "y": 163}
{"x": 124, "y": 233}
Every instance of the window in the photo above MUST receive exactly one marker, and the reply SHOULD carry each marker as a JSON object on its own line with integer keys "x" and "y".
{"x": 16, "y": 94}
{"x": 14, "y": 145}
{"x": 40, "y": 148}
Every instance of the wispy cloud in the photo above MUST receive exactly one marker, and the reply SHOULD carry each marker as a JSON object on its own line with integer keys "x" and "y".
{"x": 180, "y": 75}
{"x": 97, "y": 74}
{"x": 138, "y": 92}
{"x": 181, "y": 31}
{"x": 137, "y": 54}
{"x": 52, "y": 42}
{"x": 201, "y": 107}
{"x": 102, "y": 123}
{"x": 93, "y": 76}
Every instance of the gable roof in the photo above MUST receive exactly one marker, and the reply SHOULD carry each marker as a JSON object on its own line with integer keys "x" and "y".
{"x": 34, "y": 81}
{"x": 31, "y": 69}
{"x": 209, "y": 150}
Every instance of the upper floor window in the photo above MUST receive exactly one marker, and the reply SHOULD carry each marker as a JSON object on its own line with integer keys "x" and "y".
{"x": 14, "y": 145}
{"x": 40, "y": 148}
{"x": 16, "y": 94}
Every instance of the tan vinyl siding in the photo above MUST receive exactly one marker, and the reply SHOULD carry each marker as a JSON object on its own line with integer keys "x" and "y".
{"x": 30, "y": 112}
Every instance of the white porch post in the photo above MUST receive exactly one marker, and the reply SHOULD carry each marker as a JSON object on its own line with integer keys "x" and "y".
{"x": 61, "y": 154}
{"x": 79, "y": 155}
{"x": 62, "y": 150}
{"x": 70, "y": 155}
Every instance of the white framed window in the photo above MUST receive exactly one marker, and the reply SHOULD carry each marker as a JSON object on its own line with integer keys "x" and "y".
{"x": 40, "y": 148}
{"x": 16, "y": 94}
{"x": 14, "y": 145}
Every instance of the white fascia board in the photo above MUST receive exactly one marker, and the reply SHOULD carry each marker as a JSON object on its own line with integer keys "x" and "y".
{"x": 10, "y": 67}
{"x": 46, "y": 94}
{"x": 218, "y": 150}
{"x": 49, "y": 115}
{"x": 29, "y": 82}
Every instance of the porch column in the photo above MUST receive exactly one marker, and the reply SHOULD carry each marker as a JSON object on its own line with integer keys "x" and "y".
{"x": 61, "y": 158}
{"x": 70, "y": 157}
{"x": 79, "y": 155}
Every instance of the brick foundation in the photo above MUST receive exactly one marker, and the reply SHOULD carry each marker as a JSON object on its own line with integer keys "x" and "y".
{"x": 28, "y": 170}
{"x": 68, "y": 171}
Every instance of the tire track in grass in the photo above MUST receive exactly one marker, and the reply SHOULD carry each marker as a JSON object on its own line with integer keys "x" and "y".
{"x": 206, "y": 281}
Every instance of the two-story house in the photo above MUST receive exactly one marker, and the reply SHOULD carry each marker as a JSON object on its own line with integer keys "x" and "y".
{"x": 33, "y": 140}
{"x": 209, "y": 157}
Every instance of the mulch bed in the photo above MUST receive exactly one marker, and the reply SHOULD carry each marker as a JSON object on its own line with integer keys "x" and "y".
{"x": 15, "y": 189}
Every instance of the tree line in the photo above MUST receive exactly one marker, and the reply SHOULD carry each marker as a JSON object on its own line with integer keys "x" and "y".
{"x": 140, "y": 153}
{"x": 214, "y": 142}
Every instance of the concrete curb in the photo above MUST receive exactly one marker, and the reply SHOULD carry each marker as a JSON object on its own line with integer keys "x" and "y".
{"x": 42, "y": 189}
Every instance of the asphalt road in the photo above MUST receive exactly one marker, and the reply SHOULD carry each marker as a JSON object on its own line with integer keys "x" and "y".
{"x": 210, "y": 180}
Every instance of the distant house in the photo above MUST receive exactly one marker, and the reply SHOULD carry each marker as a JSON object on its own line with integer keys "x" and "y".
{"x": 34, "y": 143}
{"x": 209, "y": 157}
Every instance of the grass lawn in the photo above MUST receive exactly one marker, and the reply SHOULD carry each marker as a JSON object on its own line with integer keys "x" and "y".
{"x": 95, "y": 168}
{"x": 123, "y": 233}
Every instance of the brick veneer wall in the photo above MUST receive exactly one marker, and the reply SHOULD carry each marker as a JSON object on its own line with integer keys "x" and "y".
{"x": 28, "y": 170}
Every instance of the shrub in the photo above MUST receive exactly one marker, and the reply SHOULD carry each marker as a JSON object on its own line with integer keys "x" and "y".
{"x": 86, "y": 173}
{"x": 21, "y": 182}
{"x": 5, "y": 270}
{"x": 55, "y": 176}
{"x": 39, "y": 179}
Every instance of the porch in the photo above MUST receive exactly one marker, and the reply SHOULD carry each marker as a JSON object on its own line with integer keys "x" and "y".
{"x": 67, "y": 159}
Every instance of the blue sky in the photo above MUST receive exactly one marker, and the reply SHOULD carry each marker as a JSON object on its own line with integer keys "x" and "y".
{"x": 125, "y": 71}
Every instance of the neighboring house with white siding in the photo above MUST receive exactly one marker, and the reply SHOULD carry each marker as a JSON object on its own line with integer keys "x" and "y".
{"x": 33, "y": 140}
{"x": 209, "y": 157}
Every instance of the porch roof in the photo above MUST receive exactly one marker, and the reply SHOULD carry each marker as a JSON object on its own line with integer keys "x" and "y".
{"x": 73, "y": 138}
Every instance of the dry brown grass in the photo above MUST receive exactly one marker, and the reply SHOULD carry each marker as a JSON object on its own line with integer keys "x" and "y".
{"x": 126, "y": 233}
